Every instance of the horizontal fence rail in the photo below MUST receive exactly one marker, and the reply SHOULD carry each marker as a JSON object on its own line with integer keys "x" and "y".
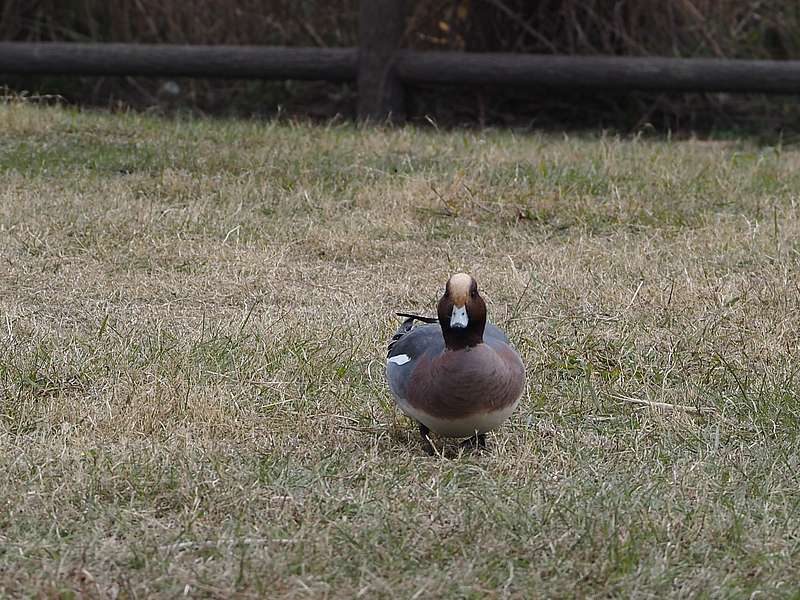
{"x": 601, "y": 72}
{"x": 381, "y": 79}
{"x": 166, "y": 60}
{"x": 340, "y": 64}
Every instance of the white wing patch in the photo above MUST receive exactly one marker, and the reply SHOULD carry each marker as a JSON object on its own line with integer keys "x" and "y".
{"x": 400, "y": 359}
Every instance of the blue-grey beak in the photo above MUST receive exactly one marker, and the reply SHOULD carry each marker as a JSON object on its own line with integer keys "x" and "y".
{"x": 459, "y": 318}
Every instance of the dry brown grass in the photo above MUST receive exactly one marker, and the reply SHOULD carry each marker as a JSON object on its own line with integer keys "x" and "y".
{"x": 192, "y": 326}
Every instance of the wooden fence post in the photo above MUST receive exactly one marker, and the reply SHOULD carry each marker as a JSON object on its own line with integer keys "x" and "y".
{"x": 380, "y": 92}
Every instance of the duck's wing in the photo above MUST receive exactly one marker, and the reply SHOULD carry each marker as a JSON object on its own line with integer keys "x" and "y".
{"x": 493, "y": 333}
{"x": 499, "y": 342}
{"x": 411, "y": 345}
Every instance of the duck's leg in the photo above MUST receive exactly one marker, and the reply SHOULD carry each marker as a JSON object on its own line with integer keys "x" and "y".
{"x": 475, "y": 442}
{"x": 426, "y": 441}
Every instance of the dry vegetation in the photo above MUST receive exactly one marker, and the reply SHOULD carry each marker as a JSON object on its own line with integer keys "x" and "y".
{"x": 192, "y": 327}
{"x": 721, "y": 28}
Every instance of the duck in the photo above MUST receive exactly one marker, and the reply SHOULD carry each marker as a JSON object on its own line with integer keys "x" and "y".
{"x": 455, "y": 375}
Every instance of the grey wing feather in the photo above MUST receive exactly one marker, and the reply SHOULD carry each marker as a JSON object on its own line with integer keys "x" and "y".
{"x": 414, "y": 343}
{"x": 494, "y": 333}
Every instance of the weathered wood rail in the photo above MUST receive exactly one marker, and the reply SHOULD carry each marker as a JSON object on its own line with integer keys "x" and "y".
{"x": 163, "y": 60}
{"x": 383, "y": 69}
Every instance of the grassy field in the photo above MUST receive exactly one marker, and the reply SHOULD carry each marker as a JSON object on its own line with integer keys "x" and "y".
{"x": 193, "y": 317}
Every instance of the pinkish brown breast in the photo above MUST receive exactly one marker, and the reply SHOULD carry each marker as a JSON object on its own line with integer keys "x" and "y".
{"x": 464, "y": 382}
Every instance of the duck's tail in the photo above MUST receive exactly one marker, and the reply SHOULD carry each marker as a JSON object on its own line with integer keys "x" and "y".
{"x": 407, "y": 326}
{"x": 414, "y": 317}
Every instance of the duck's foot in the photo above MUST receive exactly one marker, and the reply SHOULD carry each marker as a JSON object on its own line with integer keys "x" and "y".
{"x": 475, "y": 442}
{"x": 426, "y": 440}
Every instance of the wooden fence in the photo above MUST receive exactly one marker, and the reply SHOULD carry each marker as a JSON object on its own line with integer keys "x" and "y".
{"x": 382, "y": 68}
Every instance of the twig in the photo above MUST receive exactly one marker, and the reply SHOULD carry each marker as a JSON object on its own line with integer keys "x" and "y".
{"x": 447, "y": 210}
{"x": 364, "y": 429}
{"x": 635, "y": 295}
{"x": 524, "y": 291}
{"x": 477, "y": 202}
{"x": 335, "y": 416}
{"x": 278, "y": 403}
{"x": 666, "y": 405}
{"x": 215, "y": 543}
{"x": 521, "y": 22}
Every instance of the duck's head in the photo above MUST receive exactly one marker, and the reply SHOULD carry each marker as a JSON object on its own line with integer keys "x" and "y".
{"x": 462, "y": 312}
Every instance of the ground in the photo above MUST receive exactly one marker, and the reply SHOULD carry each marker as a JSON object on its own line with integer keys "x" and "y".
{"x": 193, "y": 317}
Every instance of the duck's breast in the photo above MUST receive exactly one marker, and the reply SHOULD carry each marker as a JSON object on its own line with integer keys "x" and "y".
{"x": 464, "y": 391}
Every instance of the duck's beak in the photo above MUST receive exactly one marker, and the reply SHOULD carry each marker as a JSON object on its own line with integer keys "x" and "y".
{"x": 459, "y": 318}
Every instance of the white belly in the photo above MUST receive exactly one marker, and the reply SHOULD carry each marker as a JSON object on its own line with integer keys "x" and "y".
{"x": 465, "y": 427}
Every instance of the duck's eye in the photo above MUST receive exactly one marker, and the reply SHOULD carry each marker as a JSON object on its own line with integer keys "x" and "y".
{"x": 473, "y": 293}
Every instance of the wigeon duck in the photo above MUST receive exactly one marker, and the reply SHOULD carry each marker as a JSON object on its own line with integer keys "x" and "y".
{"x": 456, "y": 375}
